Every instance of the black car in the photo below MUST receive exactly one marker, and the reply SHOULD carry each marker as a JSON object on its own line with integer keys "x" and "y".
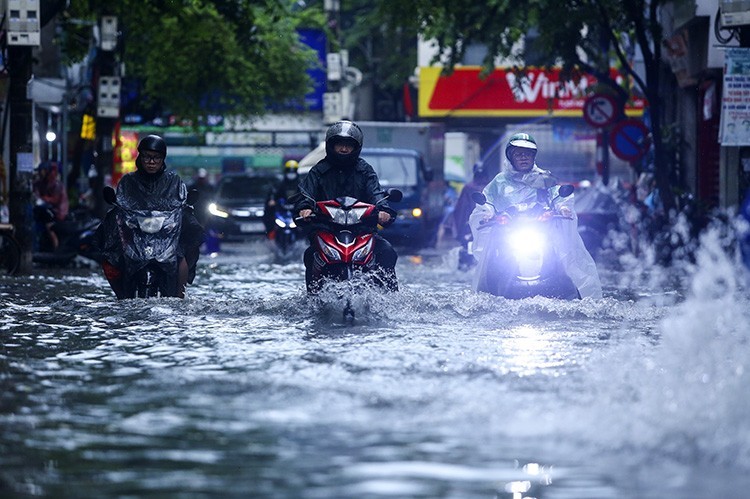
{"x": 239, "y": 203}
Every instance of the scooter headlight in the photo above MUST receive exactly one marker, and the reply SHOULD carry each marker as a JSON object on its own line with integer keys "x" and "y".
{"x": 361, "y": 254}
{"x": 280, "y": 223}
{"x": 527, "y": 241}
{"x": 331, "y": 253}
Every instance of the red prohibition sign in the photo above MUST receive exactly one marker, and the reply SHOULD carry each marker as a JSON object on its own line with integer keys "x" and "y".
{"x": 600, "y": 110}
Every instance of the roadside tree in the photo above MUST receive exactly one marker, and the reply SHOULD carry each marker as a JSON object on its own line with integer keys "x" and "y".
{"x": 195, "y": 57}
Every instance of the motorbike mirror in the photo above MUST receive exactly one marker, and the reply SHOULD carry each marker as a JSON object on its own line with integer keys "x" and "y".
{"x": 109, "y": 194}
{"x": 566, "y": 190}
{"x": 395, "y": 195}
{"x": 192, "y": 196}
{"x": 479, "y": 198}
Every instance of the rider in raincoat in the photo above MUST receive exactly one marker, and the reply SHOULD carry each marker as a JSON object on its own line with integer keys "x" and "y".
{"x": 522, "y": 181}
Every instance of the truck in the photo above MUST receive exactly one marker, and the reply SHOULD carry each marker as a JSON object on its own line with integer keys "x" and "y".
{"x": 409, "y": 157}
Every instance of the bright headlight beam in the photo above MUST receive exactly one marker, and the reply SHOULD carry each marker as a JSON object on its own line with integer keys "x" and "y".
{"x": 214, "y": 210}
{"x": 527, "y": 241}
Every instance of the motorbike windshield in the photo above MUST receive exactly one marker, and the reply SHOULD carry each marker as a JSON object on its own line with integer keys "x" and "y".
{"x": 151, "y": 235}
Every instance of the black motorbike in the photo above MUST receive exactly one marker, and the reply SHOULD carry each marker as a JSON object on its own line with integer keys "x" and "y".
{"x": 519, "y": 260}
{"x": 286, "y": 232}
{"x": 150, "y": 241}
{"x": 74, "y": 235}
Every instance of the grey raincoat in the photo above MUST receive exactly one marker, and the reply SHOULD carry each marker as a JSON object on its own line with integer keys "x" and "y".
{"x": 511, "y": 187}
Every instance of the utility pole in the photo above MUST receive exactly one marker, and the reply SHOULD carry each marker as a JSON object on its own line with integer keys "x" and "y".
{"x": 603, "y": 139}
{"x": 333, "y": 101}
{"x": 23, "y": 33}
{"x": 107, "y": 82}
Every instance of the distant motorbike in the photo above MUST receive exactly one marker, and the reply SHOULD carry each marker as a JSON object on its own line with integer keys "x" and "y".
{"x": 74, "y": 234}
{"x": 342, "y": 235}
{"x": 286, "y": 233}
{"x": 519, "y": 260}
{"x": 150, "y": 242}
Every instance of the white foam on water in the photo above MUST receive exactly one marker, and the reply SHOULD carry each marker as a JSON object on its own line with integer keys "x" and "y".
{"x": 686, "y": 394}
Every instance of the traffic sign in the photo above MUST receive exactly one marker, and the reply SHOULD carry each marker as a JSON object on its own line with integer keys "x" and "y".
{"x": 600, "y": 110}
{"x": 629, "y": 140}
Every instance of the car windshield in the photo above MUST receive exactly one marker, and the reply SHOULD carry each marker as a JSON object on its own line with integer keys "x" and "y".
{"x": 394, "y": 171}
{"x": 246, "y": 187}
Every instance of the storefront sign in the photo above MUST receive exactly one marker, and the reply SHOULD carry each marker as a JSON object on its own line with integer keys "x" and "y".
{"x": 506, "y": 93}
{"x": 735, "y": 104}
{"x": 126, "y": 150}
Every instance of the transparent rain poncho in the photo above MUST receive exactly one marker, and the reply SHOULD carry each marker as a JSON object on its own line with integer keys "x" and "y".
{"x": 509, "y": 188}
{"x": 149, "y": 224}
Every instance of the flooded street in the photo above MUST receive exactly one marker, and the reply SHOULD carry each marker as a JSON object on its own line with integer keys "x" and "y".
{"x": 248, "y": 388}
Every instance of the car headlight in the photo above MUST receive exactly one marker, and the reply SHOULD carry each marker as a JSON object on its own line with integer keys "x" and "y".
{"x": 330, "y": 253}
{"x": 214, "y": 210}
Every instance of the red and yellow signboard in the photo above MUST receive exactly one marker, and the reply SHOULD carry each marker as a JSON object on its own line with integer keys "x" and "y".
{"x": 506, "y": 93}
{"x": 126, "y": 150}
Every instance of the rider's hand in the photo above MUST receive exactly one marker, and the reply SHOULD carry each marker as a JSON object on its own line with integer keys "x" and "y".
{"x": 384, "y": 217}
{"x": 566, "y": 212}
{"x": 305, "y": 213}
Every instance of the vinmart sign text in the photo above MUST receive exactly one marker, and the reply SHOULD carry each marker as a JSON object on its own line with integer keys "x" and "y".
{"x": 507, "y": 93}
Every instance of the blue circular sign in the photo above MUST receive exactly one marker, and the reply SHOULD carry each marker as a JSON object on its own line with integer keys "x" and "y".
{"x": 629, "y": 140}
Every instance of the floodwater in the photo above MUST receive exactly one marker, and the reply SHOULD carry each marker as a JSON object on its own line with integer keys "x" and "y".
{"x": 248, "y": 388}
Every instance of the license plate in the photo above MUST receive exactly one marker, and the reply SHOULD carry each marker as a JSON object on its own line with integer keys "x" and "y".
{"x": 252, "y": 227}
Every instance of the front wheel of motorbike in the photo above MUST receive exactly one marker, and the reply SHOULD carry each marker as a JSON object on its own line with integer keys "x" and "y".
{"x": 147, "y": 285}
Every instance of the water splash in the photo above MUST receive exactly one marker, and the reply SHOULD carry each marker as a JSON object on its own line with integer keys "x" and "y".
{"x": 686, "y": 397}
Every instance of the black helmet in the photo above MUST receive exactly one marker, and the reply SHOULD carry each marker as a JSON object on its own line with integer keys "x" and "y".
{"x": 153, "y": 143}
{"x": 343, "y": 131}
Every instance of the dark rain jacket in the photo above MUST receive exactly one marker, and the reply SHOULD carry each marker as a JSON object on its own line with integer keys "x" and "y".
{"x": 137, "y": 190}
{"x": 326, "y": 181}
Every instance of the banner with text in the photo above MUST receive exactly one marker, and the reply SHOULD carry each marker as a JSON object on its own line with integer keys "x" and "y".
{"x": 507, "y": 93}
{"x": 735, "y": 103}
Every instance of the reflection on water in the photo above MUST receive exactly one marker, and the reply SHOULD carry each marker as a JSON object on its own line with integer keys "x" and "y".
{"x": 248, "y": 388}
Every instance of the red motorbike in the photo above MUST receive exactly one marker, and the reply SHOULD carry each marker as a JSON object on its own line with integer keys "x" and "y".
{"x": 342, "y": 235}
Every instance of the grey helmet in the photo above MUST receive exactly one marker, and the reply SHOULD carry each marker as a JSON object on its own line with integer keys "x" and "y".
{"x": 521, "y": 140}
{"x": 344, "y": 131}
